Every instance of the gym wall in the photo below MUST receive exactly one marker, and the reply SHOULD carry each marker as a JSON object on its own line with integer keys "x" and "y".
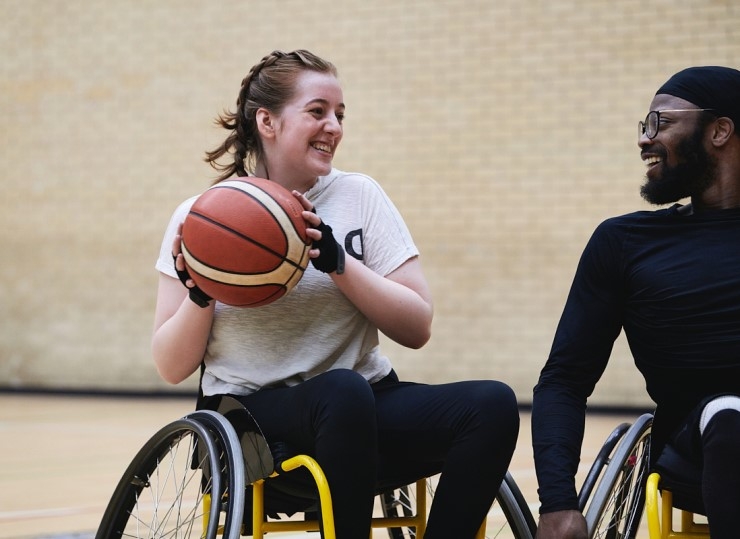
{"x": 504, "y": 130}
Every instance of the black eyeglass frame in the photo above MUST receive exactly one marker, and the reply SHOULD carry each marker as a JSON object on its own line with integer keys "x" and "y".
{"x": 642, "y": 126}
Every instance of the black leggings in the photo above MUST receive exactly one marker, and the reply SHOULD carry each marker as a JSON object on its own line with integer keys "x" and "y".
{"x": 364, "y": 435}
{"x": 721, "y": 477}
{"x": 716, "y": 453}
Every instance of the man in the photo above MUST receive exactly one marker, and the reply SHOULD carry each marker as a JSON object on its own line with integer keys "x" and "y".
{"x": 671, "y": 279}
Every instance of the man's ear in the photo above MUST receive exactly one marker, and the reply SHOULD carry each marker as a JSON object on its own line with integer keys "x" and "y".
{"x": 265, "y": 123}
{"x": 722, "y": 131}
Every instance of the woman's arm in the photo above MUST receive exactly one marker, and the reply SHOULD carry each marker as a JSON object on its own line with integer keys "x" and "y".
{"x": 181, "y": 328}
{"x": 399, "y": 304}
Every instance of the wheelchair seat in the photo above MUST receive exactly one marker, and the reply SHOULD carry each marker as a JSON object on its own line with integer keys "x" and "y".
{"x": 678, "y": 481}
{"x": 683, "y": 478}
{"x": 283, "y": 494}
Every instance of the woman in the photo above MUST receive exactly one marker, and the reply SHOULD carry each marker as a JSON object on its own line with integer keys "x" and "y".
{"x": 308, "y": 366}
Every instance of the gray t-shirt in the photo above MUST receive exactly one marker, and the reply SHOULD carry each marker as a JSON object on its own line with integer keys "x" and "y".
{"x": 314, "y": 328}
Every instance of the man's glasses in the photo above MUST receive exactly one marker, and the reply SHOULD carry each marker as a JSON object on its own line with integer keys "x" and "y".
{"x": 651, "y": 125}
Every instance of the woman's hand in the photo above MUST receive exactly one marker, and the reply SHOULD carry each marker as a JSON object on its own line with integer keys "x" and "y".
{"x": 326, "y": 254}
{"x": 178, "y": 257}
{"x": 200, "y": 298}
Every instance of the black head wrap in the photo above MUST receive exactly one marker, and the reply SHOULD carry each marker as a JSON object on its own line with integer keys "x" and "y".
{"x": 708, "y": 87}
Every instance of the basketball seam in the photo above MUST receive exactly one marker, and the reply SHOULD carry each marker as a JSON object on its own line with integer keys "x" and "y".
{"x": 251, "y": 190}
{"x": 258, "y": 201}
{"x": 231, "y": 277}
{"x": 243, "y": 237}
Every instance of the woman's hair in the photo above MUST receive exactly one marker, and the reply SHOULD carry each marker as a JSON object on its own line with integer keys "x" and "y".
{"x": 270, "y": 84}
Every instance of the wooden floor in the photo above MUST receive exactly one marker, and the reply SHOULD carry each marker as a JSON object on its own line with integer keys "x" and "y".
{"x": 62, "y": 456}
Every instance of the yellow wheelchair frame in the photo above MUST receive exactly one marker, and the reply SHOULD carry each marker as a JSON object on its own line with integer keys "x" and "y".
{"x": 191, "y": 479}
{"x": 261, "y": 524}
{"x": 659, "y": 508}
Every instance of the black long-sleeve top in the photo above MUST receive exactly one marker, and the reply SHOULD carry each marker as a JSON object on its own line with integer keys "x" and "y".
{"x": 672, "y": 282}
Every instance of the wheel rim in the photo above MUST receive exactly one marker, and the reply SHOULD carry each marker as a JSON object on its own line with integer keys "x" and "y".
{"x": 162, "y": 492}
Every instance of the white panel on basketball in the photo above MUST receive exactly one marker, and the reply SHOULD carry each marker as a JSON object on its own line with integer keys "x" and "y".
{"x": 286, "y": 271}
{"x": 297, "y": 251}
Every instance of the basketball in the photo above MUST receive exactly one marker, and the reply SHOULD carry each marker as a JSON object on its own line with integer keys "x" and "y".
{"x": 244, "y": 242}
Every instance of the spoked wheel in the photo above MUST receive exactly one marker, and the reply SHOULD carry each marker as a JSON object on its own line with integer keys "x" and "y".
{"x": 508, "y": 518}
{"x": 232, "y": 470}
{"x": 161, "y": 492}
{"x": 618, "y": 502}
{"x": 399, "y": 503}
{"x": 599, "y": 465}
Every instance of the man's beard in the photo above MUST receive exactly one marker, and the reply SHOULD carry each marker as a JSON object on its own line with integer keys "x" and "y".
{"x": 694, "y": 173}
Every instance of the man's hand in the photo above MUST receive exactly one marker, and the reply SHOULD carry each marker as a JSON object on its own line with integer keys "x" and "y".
{"x": 562, "y": 525}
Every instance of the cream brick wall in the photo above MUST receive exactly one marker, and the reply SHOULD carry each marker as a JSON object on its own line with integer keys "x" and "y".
{"x": 505, "y": 130}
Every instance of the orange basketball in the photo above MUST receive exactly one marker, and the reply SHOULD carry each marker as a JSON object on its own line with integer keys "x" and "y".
{"x": 244, "y": 242}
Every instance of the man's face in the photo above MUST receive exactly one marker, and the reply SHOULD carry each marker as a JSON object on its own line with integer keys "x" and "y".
{"x": 678, "y": 164}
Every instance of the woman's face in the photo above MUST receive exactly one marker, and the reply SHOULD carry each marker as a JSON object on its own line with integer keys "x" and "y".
{"x": 308, "y": 130}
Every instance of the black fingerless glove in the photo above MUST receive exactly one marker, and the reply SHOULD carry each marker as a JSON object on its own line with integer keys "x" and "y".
{"x": 331, "y": 256}
{"x": 197, "y": 296}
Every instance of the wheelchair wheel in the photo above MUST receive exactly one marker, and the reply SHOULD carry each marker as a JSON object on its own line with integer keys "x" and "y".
{"x": 232, "y": 469}
{"x": 618, "y": 502}
{"x": 599, "y": 464}
{"x": 509, "y": 517}
{"x": 399, "y": 503}
{"x": 161, "y": 491}
{"x": 520, "y": 523}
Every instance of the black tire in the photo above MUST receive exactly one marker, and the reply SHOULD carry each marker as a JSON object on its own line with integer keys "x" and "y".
{"x": 619, "y": 499}
{"x": 516, "y": 509}
{"x": 161, "y": 492}
{"x": 509, "y": 517}
{"x": 232, "y": 469}
{"x": 599, "y": 464}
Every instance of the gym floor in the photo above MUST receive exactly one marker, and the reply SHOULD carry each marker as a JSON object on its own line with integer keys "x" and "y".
{"x": 62, "y": 456}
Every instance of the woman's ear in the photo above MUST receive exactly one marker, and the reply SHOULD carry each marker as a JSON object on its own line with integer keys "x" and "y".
{"x": 265, "y": 124}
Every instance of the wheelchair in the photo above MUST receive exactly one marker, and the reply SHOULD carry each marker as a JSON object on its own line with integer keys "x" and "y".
{"x": 628, "y": 486}
{"x": 212, "y": 474}
{"x": 660, "y": 507}
{"x": 669, "y": 493}
{"x": 613, "y": 493}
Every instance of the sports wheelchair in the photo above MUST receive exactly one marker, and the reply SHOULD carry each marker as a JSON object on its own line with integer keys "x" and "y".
{"x": 612, "y": 497}
{"x": 628, "y": 485}
{"x": 677, "y": 489}
{"x": 211, "y": 474}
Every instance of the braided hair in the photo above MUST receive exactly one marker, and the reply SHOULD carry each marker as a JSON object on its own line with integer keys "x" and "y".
{"x": 270, "y": 84}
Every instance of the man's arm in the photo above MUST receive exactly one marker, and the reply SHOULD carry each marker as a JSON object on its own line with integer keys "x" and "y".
{"x": 591, "y": 321}
{"x": 558, "y": 419}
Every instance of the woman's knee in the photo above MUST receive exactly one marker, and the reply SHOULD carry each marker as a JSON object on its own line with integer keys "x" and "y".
{"x": 498, "y": 401}
{"x": 345, "y": 393}
{"x": 503, "y": 398}
{"x": 345, "y": 383}
{"x": 495, "y": 405}
{"x": 344, "y": 417}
